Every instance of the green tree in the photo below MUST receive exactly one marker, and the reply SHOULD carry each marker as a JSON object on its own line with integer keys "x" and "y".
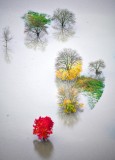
{"x": 36, "y": 23}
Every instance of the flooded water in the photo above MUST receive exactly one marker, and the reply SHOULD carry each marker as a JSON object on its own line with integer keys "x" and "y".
{"x": 28, "y": 89}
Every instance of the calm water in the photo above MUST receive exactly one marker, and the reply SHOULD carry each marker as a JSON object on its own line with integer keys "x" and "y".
{"x": 28, "y": 89}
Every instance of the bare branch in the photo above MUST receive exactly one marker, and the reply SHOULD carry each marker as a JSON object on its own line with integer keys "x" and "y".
{"x": 67, "y": 58}
{"x": 64, "y": 18}
{"x": 96, "y": 67}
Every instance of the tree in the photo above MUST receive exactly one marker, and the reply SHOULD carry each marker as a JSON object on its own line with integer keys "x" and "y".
{"x": 68, "y": 65}
{"x": 96, "y": 67}
{"x": 36, "y": 22}
{"x": 67, "y": 58}
{"x": 63, "y": 18}
{"x": 43, "y": 127}
{"x": 6, "y": 36}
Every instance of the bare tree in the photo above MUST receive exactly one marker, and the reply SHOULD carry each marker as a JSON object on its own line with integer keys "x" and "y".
{"x": 63, "y": 18}
{"x": 96, "y": 67}
{"x": 67, "y": 58}
{"x": 6, "y": 36}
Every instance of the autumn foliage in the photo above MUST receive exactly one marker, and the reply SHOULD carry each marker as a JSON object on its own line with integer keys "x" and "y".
{"x": 71, "y": 73}
{"x": 43, "y": 127}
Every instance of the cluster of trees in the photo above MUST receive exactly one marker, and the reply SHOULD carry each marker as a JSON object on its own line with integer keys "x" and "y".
{"x": 36, "y": 26}
{"x": 68, "y": 63}
{"x": 68, "y": 68}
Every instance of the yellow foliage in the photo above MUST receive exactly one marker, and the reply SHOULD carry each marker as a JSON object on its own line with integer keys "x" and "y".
{"x": 70, "y": 74}
{"x": 66, "y": 101}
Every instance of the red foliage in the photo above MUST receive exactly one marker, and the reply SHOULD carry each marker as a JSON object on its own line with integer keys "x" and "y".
{"x": 43, "y": 127}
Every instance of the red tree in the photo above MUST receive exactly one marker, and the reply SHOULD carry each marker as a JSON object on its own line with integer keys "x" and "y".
{"x": 43, "y": 127}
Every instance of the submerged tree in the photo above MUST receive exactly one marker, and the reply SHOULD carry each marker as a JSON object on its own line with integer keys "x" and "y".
{"x": 36, "y": 22}
{"x": 6, "y": 36}
{"x": 67, "y": 58}
{"x": 96, "y": 67}
{"x": 63, "y": 18}
{"x": 68, "y": 65}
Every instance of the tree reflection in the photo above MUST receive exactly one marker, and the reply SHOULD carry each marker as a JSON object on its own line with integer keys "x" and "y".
{"x": 70, "y": 84}
{"x": 7, "y": 56}
{"x": 91, "y": 88}
{"x": 68, "y": 119}
{"x": 64, "y": 21}
{"x": 35, "y": 42}
{"x": 63, "y": 34}
{"x": 68, "y": 67}
{"x": 43, "y": 148}
{"x": 36, "y": 25}
{"x": 68, "y": 97}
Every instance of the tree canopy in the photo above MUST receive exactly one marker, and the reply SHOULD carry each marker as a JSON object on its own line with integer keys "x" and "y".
{"x": 34, "y": 19}
{"x": 97, "y": 66}
{"x": 36, "y": 22}
{"x": 67, "y": 58}
{"x": 63, "y": 18}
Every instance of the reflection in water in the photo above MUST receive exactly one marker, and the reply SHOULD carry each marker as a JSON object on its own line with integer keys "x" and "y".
{"x": 61, "y": 83}
{"x": 62, "y": 34}
{"x": 64, "y": 21}
{"x": 7, "y": 56}
{"x": 36, "y": 25}
{"x": 68, "y": 119}
{"x": 35, "y": 42}
{"x": 43, "y": 148}
{"x": 68, "y": 97}
{"x": 93, "y": 99}
{"x": 92, "y": 88}
{"x": 68, "y": 68}
{"x": 70, "y": 83}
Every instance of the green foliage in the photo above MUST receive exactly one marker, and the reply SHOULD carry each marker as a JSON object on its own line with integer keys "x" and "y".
{"x": 91, "y": 86}
{"x": 70, "y": 108}
{"x": 34, "y": 19}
